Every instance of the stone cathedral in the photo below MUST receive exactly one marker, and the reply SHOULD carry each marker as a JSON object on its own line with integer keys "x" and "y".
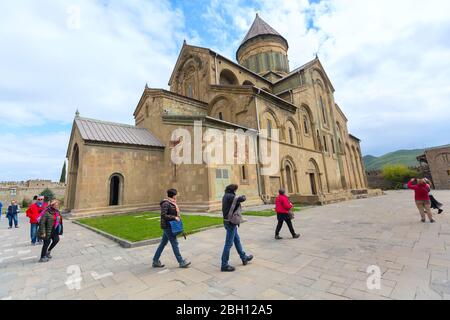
{"x": 115, "y": 167}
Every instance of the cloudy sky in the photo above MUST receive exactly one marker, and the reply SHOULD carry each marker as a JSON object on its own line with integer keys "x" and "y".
{"x": 389, "y": 62}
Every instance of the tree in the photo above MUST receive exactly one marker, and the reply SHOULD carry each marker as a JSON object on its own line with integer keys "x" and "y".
{"x": 48, "y": 195}
{"x": 398, "y": 174}
{"x": 63, "y": 174}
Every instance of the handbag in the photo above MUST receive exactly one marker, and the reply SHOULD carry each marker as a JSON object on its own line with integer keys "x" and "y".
{"x": 177, "y": 228}
{"x": 291, "y": 215}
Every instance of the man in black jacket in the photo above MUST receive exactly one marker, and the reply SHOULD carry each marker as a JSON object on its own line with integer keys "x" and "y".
{"x": 169, "y": 212}
{"x": 232, "y": 232}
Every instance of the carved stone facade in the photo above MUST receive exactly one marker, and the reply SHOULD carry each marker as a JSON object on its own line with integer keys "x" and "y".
{"x": 436, "y": 161}
{"x": 320, "y": 161}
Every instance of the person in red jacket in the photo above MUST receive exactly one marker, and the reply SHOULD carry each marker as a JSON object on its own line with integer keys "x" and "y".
{"x": 34, "y": 213}
{"x": 283, "y": 206}
{"x": 422, "y": 197}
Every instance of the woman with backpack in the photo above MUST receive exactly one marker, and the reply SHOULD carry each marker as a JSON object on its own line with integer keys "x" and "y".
{"x": 231, "y": 204}
{"x": 283, "y": 208}
{"x": 169, "y": 212}
{"x": 50, "y": 228}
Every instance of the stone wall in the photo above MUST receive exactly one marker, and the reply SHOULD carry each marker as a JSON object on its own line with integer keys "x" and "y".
{"x": 439, "y": 163}
{"x": 28, "y": 189}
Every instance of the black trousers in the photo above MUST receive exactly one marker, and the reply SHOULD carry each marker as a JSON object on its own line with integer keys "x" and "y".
{"x": 434, "y": 203}
{"x": 50, "y": 244}
{"x": 281, "y": 219}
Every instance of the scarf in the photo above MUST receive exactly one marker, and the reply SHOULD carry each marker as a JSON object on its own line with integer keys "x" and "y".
{"x": 175, "y": 204}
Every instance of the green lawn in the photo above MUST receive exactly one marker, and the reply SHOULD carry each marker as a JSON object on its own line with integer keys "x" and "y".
{"x": 146, "y": 225}
{"x": 269, "y": 213}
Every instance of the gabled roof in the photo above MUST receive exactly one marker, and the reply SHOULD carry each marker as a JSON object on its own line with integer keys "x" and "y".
{"x": 115, "y": 133}
{"x": 259, "y": 28}
{"x": 188, "y": 46}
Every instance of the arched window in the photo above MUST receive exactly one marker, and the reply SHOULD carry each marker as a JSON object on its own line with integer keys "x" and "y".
{"x": 306, "y": 125}
{"x": 291, "y": 136}
{"x": 289, "y": 183}
{"x": 324, "y": 112}
{"x": 269, "y": 128}
{"x": 333, "y": 146}
{"x": 228, "y": 78}
{"x": 325, "y": 145}
{"x": 220, "y": 116}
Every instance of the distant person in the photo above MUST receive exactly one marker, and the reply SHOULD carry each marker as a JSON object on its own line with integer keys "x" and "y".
{"x": 169, "y": 212}
{"x": 12, "y": 214}
{"x": 1, "y": 210}
{"x": 434, "y": 203}
{"x": 283, "y": 209}
{"x": 50, "y": 228}
{"x": 421, "y": 195}
{"x": 34, "y": 213}
{"x": 230, "y": 204}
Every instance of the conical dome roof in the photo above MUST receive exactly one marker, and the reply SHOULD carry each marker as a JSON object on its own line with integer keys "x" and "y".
{"x": 259, "y": 28}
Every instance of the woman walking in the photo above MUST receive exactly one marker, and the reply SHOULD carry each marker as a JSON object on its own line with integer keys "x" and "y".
{"x": 283, "y": 208}
{"x": 50, "y": 228}
{"x": 230, "y": 205}
{"x": 422, "y": 197}
{"x": 169, "y": 212}
{"x": 434, "y": 203}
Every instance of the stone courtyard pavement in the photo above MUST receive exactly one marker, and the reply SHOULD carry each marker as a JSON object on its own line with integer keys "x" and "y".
{"x": 339, "y": 242}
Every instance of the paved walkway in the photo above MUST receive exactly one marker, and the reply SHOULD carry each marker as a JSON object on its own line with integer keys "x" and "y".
{"x": 339, "y": 243}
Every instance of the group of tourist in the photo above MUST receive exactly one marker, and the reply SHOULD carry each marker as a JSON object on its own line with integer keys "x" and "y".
{"x": 45, "y": 223}
{"x": 232, "y": 217}
{"x": 424, "y": 200}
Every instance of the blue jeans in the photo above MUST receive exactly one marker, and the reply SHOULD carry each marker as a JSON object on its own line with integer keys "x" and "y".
{"x": 11, "y": 219}
{"x": 33, "y": 232}
{"x": 168, "y": 236}
{"x": 232, "y": 238}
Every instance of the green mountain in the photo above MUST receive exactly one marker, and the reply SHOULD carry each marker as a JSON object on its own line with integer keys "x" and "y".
{"x": 406, "y": 157}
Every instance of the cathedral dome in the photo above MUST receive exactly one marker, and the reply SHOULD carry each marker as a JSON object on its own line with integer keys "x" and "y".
{"x": 263, "y": 49}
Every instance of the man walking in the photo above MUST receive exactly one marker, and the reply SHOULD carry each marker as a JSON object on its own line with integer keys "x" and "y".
{"x": 12, "y": 213}
{"x": 1, "y": 210}
{"x": 34, "y": 213}
{"x": 230, "y": 204}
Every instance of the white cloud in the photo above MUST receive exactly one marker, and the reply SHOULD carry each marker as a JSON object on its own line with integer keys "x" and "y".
{"x": 49, "y": 70}
{"x": 32, "y": 156}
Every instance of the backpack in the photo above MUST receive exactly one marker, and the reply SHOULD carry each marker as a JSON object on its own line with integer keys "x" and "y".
{"x": 235, "y": 215}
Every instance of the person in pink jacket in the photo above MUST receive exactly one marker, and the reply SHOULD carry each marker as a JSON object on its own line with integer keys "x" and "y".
{"x": 283, "y": 206}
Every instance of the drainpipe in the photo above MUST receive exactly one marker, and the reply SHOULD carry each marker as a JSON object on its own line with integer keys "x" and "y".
{"x": 215, "y": 65}
{"x": 258, "y": 168}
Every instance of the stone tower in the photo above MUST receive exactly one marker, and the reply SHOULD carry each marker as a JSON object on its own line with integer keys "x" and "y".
{"x": 264, "y": 50}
